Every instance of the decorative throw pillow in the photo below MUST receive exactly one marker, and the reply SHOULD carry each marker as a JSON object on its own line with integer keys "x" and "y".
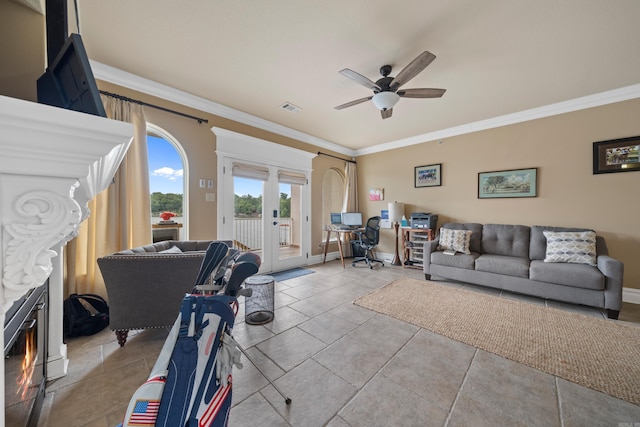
{"x": 578, "y": 247}
{"x": 455, "y": 240}
{"x": 171, "y": 250}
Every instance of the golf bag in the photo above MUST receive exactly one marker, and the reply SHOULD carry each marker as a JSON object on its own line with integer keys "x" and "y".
{"x": 190, "y": 383}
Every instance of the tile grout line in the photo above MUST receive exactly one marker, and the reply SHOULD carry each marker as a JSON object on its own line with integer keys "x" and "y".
{"x": 559, "y": 400}
{"x": 464, "y": 380}
{"x": 378, "y": 372}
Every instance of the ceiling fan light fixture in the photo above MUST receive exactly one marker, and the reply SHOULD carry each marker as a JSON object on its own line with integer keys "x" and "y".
{"x": 385, "y": 100}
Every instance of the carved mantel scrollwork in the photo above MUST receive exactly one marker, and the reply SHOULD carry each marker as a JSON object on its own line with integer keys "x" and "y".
{"x": 48, "y": 220}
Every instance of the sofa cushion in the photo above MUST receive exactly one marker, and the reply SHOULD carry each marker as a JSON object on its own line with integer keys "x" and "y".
{"x": 500, "y": 264}
{"x": 171, "y": 250}
{"x": 457, "y": 260}
{"x": 575, "y": 275}
{"x": 577, "y": 247}
{"x": 538, "y": 249}
{"x": 475, "y": 244}
{"x": 504, "y": 239}
{"x": 455, "y": 240}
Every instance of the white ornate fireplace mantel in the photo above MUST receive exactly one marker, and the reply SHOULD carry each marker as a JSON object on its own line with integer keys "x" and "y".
{"x": 52, "y": 162}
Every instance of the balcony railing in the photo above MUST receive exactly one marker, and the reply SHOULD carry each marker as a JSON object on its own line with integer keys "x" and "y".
{"x": 248, "y": 232}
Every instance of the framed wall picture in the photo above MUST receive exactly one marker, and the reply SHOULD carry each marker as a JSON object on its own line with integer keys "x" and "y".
{"x": 509, "y": 183}
{"x": 428, "y": 175}
{"x": 376, "y": 194}
{"x": 616, "y": 155}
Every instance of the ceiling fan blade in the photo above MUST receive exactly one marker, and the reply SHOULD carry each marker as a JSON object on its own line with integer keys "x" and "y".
{"x": 359, "y": 78}
{"x": 421, "y": 93}
{"x": 386, "y": 113}
{"x": 352, "y": 103}
{"x": 413, "y": 69}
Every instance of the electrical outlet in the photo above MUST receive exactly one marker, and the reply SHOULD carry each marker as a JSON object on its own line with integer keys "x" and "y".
{"x": 202, "y": 183}
{"x": 210, "y": 183}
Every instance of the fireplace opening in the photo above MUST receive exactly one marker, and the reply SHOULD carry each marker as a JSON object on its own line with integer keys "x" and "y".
{"x": 25, "y": 343}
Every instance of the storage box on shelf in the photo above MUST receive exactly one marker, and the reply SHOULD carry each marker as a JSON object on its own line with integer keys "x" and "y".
{"x": 413, "y": 240}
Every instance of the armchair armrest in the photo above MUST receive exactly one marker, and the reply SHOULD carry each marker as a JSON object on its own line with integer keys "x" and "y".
{"x": 429, "y": 247}
{"x": 613, "y": 271}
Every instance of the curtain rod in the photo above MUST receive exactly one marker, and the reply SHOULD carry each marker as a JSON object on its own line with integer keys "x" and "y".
{"x": 320, "y": 153}
{"x": 146, "y": 104}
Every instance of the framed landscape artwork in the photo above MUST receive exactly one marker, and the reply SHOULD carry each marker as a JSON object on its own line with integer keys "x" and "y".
{"x": 616, "y": 155}
{"x": 428, "y": 176}
{"x": 509, "y": 183}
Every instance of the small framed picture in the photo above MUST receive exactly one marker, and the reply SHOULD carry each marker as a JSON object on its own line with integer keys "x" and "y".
{"x": 428, "y": 175}
{"x": 376, "y": 194}
{"x": 511, "y": 183}
{"x": 616, "y": 155}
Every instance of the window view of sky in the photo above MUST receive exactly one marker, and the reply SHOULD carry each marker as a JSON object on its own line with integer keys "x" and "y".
{"x": 244, "y": 186}
{"x": 165, "y": 167}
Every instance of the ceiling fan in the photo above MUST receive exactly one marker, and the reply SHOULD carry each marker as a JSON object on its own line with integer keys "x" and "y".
{"x": 386, "y": 91}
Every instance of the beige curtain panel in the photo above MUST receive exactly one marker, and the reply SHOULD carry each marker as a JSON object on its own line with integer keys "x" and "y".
{"x": 120, "y": 215}
{"x": 350, "y": 203}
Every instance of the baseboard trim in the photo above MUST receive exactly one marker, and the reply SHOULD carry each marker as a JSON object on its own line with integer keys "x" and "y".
{"x": 631, "y": 295}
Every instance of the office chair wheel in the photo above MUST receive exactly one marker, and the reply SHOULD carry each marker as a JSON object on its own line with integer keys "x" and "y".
{"x": 371, "y": 267}
{"x": 353, "y": 264}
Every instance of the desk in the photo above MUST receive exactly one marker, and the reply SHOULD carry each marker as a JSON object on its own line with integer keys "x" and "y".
{"x": 339, "y": 233}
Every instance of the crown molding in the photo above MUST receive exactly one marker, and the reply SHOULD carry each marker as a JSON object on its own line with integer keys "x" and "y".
{"x": 122, "y": 78}
{"x": 131, "y": 81}
{"x": 603, "y": 98}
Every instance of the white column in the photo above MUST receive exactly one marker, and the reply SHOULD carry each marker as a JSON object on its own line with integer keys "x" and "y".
{"x": 57, "y": 361}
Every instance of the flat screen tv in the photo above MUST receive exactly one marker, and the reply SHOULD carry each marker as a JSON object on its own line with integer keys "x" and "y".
{"x": 69, "y": 82}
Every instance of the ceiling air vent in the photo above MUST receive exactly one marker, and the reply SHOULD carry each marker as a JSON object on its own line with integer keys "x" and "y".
{"x": 290, "y": 107}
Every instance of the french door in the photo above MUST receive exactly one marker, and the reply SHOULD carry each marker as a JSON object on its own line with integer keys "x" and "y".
{"x": 264, "y": 205}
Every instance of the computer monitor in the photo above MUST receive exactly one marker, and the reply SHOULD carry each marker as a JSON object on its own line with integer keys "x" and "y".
{"x": 353, "y": 219}
{"x": 336, "y": 218}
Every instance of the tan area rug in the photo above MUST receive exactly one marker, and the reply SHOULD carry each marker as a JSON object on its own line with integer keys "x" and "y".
{"x": 596, "y": 353}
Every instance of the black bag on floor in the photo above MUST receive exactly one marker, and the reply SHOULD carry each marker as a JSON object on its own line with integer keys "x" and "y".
{"x": 88, "y": 318}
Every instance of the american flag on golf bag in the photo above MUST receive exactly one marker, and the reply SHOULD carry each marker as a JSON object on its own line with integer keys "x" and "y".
{"x": 190, "y": 384}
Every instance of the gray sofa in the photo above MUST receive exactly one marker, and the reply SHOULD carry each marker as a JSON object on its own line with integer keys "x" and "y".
{"x": 145, "y": 285}
{"x": 512, "y": 257}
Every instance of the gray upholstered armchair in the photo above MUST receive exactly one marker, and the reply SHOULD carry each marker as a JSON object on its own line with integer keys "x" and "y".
{"x": 146, "y": 285}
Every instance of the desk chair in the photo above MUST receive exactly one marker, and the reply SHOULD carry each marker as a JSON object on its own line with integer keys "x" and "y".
{"x": 367, "y": 240}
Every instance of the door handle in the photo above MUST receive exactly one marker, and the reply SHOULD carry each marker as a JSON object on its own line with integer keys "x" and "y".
{"x": 275, "y": 222}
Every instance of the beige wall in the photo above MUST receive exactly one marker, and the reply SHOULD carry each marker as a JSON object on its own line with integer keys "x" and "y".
{"x": 568, "y": 192}
{"x": 22, "y": 49}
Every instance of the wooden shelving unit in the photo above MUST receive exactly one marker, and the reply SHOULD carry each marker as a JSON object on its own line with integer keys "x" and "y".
{"x": 413, "y": 240}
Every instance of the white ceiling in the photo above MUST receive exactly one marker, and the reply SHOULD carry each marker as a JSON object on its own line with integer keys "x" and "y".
{"x": 494, "y": 57}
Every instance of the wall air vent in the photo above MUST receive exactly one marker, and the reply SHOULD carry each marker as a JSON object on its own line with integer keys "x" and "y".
{"x": 290, "y": 107}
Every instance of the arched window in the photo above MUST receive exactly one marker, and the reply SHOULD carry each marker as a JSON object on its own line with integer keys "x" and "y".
{"x": 332, "y": 193}
{"x": 167, "y": 183}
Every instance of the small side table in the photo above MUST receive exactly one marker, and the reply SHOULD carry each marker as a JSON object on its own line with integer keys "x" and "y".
{"x": 166, "y": 231}
{"x": 413, "y": 240}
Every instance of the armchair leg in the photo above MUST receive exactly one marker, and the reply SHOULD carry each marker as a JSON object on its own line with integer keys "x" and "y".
{"x": 122, "y": 336}
{"x": 613, "y": 314}
{"x": 427, "y": 276}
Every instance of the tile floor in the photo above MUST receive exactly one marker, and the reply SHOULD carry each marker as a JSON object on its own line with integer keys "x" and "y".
{"x": 343, "y": 365}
